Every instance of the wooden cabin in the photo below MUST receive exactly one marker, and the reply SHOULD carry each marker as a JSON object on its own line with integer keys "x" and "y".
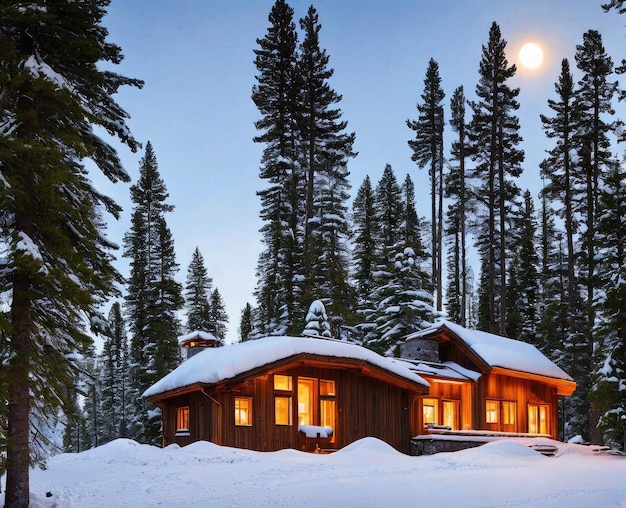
{"x": 309, "y": 394}
{"x": 481, "y": 381}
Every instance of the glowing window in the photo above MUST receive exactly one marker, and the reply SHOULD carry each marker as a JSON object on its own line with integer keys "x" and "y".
{"x": 182, "y": 419}
{"x": 430, "y": 407}
{"x": 306, "y": 397}
{"x": 327, "y": 413}
{"x": 492, "y": 407}
{"x": 537, "y": 419}
{"x": 243, "y": 411}
{"x": 508, "y": 413}
{"x": 450, "y": 413}
{"x": 282, "y": 410}
{"x": 327, "y": 388}
{"x": 282, "y": 383}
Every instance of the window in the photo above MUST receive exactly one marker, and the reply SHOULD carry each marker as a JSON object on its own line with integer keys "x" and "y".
{"x": 243, "y": 411}
{"x": 492, "y": 409}
{"x": 430, "y": 407}
{"x": 182, "y": 419}
{"x": 315, "y": 399}
{"x": 451, "y": 414}
{"x": 327, "y": 403}
{"x": 306, "y": 408}
{"x": 282, "y": 383}
{"x": 508, "y": 413}
{"x": 282, "y": 410}
{"x": 282, "y": 399}
{"x": 538, "y": 419}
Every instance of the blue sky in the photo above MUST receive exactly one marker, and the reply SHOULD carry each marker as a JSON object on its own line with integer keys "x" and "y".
{"x": 196, "y": 58}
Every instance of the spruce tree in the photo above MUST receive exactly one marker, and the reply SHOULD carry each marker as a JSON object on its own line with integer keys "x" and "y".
{"x": 218, "y": 322}
{"x": 58, "y": 258}
{"x": 326, "y": 148}
{"x": 428, "y": 150}
{"x": 402, "y": 293}
{"x": 277, "y": 97}
{"x": 457, "y": 215}
{"x": 594, "y": 103}
{"x": 153, "y": 295}
{"x": 558, "y": 170}
{"x": 364, "y": 253}
{"x": 524, "y": 275}
{"x": 317, "y": 321}
{"x": 609, "y": 377}
{"x": 114, "y": 379}
{"x": 198, "y": 290}
{"x": 246, "y": 323}
{"x": 493, "y": 133}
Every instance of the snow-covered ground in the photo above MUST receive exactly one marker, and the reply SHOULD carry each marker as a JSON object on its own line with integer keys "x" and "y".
{"x": 367, "y": 473}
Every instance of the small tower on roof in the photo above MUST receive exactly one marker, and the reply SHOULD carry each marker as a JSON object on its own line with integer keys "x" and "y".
{"x": 197, "y": 341}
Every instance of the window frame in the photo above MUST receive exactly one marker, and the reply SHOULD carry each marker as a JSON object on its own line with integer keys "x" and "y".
{"x": 182, "y": 417}
{"x": 238, "y": 411}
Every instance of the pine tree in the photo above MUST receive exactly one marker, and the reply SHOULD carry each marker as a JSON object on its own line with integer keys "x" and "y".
{"x": 402, "y": 295}
{"x": 593, "y": 100}
{"x": 364, "y": 253}
{"x": 154, "y": 296}
{"x": 457, "y": 214}
{"x": 609, "y": 380}
{"x": 218, "y": 322}
{"x": 58, "y": 259}
{"x": 558, "y": 169}
{"x": 317, "y": 321}
{"x": 114, "y": 380}
{"x": 277, "y": 96}
{"x": 493, "y": 133}
{"x": 246, "y": 323}
{"x": 524, "y": 276}
{"x": 197, "y": 294}
{"x": 428, "y": 149}
{"x": 326, "y": 149}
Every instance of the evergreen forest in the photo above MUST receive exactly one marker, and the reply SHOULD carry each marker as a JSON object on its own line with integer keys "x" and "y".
{"x": 348, "y": 260}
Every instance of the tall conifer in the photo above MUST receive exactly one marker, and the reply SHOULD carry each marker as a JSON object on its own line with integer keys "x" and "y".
{"x": 428, "y": 150}
{"x": 58, "y": 259}
{"x": 494, "y": 135}
{"x": 153, "y": 297}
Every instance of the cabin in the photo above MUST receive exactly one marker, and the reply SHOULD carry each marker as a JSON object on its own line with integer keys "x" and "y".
{"x": 305, "y": 393}
{"x": 483, "y": 382}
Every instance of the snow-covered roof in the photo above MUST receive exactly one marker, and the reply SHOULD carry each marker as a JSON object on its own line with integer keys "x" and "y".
{"x": 497, "y": 351}
{"x": 217, "y": 364}
{"x": 198, "y": 334}
{"x": 449, "y": 370}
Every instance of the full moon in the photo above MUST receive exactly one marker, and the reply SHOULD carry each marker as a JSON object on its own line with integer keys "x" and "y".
{"x": 531, "y": 55}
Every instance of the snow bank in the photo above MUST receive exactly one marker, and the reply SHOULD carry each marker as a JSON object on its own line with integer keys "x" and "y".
{"x": 368, "y": 473}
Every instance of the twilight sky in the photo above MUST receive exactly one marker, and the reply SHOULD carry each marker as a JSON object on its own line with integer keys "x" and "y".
{"x": 196, "y": 58}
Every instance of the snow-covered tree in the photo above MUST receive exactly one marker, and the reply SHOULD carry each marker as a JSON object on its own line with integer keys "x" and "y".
{"x": 197, "y": 294}
{"x": 428, "y": 151}
{"x": 316, "y": 321}
{"x": 57, "y": 265}
{"x": 154, "y": 296}
{"x": 457, "y": 294}
{"x": 246, "y": 323}
{"x": 494, "y": 135}
{"x": 608, "y": 391}
{"x": 218, "y": 322}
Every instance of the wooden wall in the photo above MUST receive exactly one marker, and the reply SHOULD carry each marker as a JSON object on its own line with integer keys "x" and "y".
{"x": 365, "y": 406}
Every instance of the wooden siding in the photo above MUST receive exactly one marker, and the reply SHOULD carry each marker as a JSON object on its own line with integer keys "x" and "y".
{"x": 365, "y": 406}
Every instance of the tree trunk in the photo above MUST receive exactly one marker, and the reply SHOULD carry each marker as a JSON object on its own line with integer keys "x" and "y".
{"x": 18, "y": 448}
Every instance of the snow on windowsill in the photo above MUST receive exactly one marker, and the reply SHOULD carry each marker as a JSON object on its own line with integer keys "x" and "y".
{"x": 315, "y": 431}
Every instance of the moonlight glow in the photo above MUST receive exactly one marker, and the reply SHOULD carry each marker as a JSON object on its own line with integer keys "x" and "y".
{"x": 531, "y": 55}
